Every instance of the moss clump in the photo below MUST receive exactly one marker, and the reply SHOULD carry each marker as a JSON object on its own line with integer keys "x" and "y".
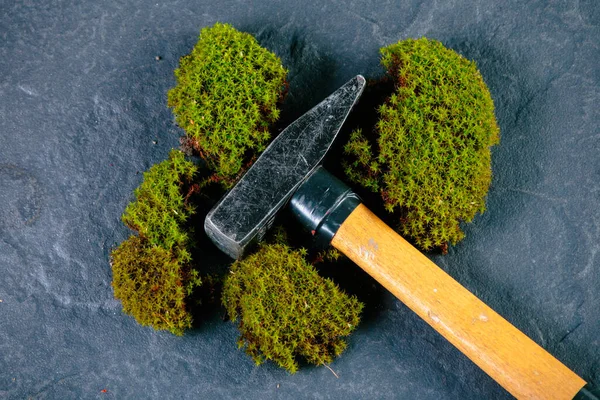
{"x": 429, "y": 155}
{"x": 153, "y": 285}
{"x": 226, "y": 97}
{"x": 152, "y": 275}
{"x": 160, "y": 210}
{"x": 286, "y": 310}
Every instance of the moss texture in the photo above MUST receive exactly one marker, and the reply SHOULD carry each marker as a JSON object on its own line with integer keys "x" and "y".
{"x": 152, "y": 285}
{"x": 152, "y": 274}
{"x": 226, "y": 97}
{"x": 160, "y": 210}
{"x": 429, "y": 154}
{"x": 286, "y": 310}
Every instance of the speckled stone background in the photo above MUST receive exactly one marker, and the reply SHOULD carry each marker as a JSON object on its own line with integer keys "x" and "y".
{"x": 83, "y": 101}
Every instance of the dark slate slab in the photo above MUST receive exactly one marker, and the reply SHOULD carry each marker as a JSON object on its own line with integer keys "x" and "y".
{"x": 83, "y": 112}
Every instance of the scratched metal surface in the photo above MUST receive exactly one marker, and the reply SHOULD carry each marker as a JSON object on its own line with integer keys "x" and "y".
{"x": 248, "y": 210}
{"x": 83, "y": 112}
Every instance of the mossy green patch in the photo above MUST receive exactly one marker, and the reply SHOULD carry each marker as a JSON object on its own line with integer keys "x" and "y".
{"x": 152, "y": 274}
{"x": 226, "y": 97}
{"x": 160, "y": 211}
{"x": 286, "y": 310}
{"x": 429, "y": 155}
{"x": 153, "y": 285}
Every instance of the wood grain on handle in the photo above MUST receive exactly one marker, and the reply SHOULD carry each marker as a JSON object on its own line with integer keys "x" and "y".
{"x": 516, "y": 362}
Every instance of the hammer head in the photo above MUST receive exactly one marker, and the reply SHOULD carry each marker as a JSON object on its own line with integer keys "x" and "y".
{"x": 247, "y": 211}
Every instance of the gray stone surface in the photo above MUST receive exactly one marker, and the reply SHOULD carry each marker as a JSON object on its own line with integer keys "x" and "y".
{"x": 83, "y": 99}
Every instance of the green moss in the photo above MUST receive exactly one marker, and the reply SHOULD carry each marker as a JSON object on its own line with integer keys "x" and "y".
{"x": 286, "y": 310}
{"x": 429, "y": 155}
{"x": 160, "y": 211}
{"x": 153, "y": 285}
{"x": 152, "y": 274}
{"x": 226, "y": 97}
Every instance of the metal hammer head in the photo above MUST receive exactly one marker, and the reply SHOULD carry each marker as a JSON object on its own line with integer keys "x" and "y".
{"x": 247, "y": 211}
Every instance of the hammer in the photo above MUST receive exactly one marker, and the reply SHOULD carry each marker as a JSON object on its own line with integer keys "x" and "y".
{"x": 289, "y": 172}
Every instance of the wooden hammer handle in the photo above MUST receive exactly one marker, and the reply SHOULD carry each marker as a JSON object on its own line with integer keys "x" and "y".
{"x": 515, "y": 361}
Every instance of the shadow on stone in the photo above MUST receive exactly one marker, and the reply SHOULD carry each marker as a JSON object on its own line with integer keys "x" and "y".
{"x": 311, "y": 70}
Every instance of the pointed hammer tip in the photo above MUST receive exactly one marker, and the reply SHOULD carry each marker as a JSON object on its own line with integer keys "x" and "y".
{"x": 362, "y": 82}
